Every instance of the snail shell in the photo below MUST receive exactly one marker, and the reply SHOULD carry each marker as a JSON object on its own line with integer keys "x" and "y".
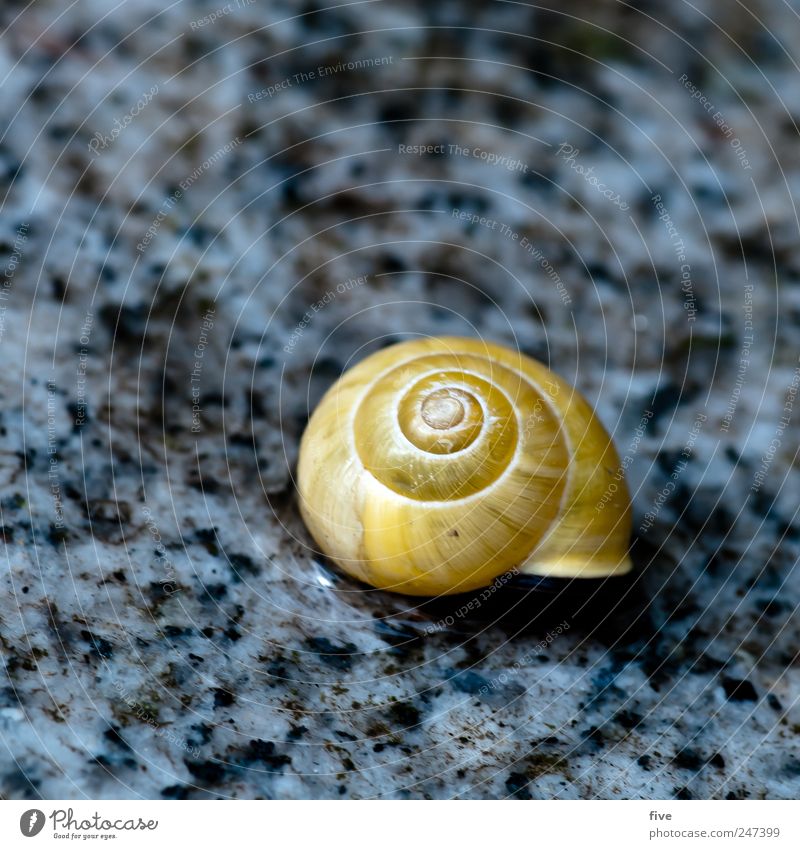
{"x": 436, "y": 465}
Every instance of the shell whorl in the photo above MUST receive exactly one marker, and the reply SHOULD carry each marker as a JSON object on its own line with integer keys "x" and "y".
{"x": 436, "y": 465}
{"x": 455, "y": 427}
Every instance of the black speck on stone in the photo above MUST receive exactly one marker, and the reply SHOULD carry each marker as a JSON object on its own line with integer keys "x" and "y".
{"x": 292, "y": 190}
{"x": 401, "y": 638}
{"x": 208, "y": 537}
{"x": 209, "y": 772}
{"x": 328, "y": 368}
{"x": 13, "y": 502}
{"x": 389, "y": 340}
{"x": 108, "y": 512}
{"x": 339, "y": 657}
{"x": 405, "y": 714}
{"x": 276, "y": 668}
{"x": 645, "y": 761}
{"x": 246, "y": 440}
{"x": 216, "y": 591}
{"x": 215, "y": 399}
{"x": 733, "y": 455}
{"x": 668, "y": 461}
{"x": 628, "y": 719}
{"x": 199, "y": 235}
{"x": 264, "y": 751}
{"x": 243, "y": 563}
{"x": 716, "y": 760}
{"x": 792, "y": 766}
{"x": 683, "y": 793}
{"x": 296, "y": 732}
{"x": 14, "y": 169}
{"x": 173, "y": 631}
{"x": 112, "y": 734}
{"x": 100, "y": 646}
{"x": 517, "y": 785}
{"x": 395, "y": 111}
{"x": 56, "y": 535}
{"x": 176, "y": 791}
{"x": 125, "y": 323}
{"x": 468, "y": 201}
{"x": 763, "y": 503}
{"x": 705, "y": 663}
{"x": 785, "y": 528}
{"x": 18, "y": 784}
{"x": 666, "y": 399}
{"x": 773, "y": 607}
{"x": 222, "y": 698}
{"x": 594, "y": 735}
{"x": 439, "y": 314}
{"x": 79, "y": 415}
{"x": 204, "y": 732}
{"x": 739, "y": 690}
{"x": 255, "y": 400}
{"x": 688, "y": 758}
{"x": 468, "y": 681}
{"x": 392, "y": 263}
{"x": 774, "y": 702}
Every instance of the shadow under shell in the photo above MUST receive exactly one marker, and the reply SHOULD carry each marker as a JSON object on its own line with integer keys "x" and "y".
{"x": 514, "y": 602}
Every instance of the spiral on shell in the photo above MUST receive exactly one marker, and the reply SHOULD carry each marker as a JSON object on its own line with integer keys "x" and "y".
{"x": 436, "y": 465}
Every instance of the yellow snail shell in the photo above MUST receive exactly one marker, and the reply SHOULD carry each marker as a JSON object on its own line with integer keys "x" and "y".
{"x": 436, "y": 465}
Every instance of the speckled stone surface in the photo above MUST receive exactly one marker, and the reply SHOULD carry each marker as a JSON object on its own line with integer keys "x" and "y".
{"x": 207, "y": 214}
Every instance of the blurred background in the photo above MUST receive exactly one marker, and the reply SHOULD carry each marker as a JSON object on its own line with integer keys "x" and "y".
{"x": 210, "y": 210}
